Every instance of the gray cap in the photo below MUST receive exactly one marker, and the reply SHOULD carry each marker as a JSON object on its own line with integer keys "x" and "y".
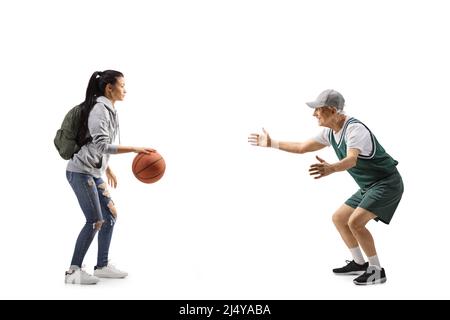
{"x": 328, "y": 98}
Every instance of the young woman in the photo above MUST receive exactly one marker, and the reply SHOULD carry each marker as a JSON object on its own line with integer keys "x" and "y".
{"x": 374, "y": 170}
{"x": 85, "y": 170}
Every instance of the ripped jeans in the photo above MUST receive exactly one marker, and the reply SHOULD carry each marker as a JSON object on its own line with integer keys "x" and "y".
{"x": 97, "y": 206}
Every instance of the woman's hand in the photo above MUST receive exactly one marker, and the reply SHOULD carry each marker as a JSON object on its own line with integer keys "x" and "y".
{"x": 143, "y": 150}
{"x": 112, "y": 180}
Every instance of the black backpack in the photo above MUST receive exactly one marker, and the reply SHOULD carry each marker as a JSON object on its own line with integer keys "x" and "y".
{"x": 66, "y": 140}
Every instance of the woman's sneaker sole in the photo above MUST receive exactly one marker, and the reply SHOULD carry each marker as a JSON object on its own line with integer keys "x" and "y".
{"x": 82, "y": 284}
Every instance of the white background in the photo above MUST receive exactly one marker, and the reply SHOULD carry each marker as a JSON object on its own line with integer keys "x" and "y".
{"x": 227, "y": 221}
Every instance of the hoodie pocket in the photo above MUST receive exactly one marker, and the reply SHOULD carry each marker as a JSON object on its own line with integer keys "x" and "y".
{"x": 92, "y": 158}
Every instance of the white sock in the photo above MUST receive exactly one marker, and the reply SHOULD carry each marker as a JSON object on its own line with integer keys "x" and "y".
{"x": 357, "y": 255}
{"x": 373, "y": 261}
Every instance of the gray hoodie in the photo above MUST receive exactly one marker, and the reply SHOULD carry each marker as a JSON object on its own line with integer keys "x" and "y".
{"x": 103, "y": 126}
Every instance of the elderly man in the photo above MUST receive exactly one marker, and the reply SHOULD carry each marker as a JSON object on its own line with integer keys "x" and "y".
{"x": 375, "y": 172}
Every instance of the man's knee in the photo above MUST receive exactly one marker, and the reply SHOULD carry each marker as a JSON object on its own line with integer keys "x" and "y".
{"x": 358, "y": 220}
{"x": 355, "y": 224}
{"x": 339, "y": 218}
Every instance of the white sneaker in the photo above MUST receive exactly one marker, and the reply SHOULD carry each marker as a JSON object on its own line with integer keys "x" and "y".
{"x": 79, "y": 276}
{"x": 110, "y": 271}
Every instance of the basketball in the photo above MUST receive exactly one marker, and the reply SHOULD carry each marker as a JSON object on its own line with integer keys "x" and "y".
{"x": 148, "y": 168}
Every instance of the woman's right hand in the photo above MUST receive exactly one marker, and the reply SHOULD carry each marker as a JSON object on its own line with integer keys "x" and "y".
{"x": 144, "y": 150}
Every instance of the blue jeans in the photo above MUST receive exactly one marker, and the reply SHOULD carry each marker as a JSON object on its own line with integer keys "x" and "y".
{"x": 97, "y": 206}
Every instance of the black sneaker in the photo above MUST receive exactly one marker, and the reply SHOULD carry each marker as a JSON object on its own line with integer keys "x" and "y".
{"x": 351, "y": 268}
{"x": 373, "y": 275}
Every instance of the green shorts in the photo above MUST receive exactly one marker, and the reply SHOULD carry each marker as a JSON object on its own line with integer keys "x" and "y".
{"x": 381, "y": 198}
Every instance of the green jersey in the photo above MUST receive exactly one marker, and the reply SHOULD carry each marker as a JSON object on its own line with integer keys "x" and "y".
{"x": 369, "y": 168}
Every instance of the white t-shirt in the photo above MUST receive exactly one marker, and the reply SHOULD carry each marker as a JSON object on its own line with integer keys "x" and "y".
{"x": 357, "y": 136}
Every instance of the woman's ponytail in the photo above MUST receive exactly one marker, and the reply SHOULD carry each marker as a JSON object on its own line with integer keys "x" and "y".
{"x": 96, "y": 88}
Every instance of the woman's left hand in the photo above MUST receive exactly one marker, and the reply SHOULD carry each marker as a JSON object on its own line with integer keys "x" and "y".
{"x": 112, "y": 180}
{"x": 320, "y": 169}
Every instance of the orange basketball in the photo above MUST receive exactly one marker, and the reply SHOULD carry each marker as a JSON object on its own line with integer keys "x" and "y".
{"x": 148, "y": 168}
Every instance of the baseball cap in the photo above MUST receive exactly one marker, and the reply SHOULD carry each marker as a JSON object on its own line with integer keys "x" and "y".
{"x": 328, "y": 98}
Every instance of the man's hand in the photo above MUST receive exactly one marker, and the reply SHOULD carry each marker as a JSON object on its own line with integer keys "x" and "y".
{"x": 321, "y": 169}
{"x": 260, "y": 139}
